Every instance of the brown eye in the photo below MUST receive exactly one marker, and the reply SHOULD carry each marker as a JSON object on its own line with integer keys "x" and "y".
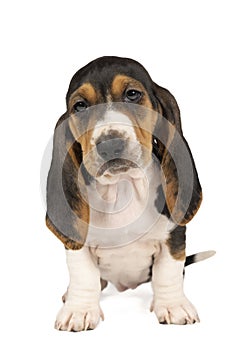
{"x": 80, "y": 106}
{"x": 132, "y": 95}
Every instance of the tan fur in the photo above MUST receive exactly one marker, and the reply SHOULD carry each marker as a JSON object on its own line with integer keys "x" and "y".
{"x": 68, "y": 243}
{"x": 85, "y": 91}
{"x": 143, "y": 127}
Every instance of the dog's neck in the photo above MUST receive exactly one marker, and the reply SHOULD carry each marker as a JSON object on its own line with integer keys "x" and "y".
{"x": 114, "y": 192}
{"x": 118, "y": 195}
{"x": 124, "y": 205}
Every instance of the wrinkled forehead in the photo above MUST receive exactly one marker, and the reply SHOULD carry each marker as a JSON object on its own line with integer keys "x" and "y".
{"x": 113, "y": 92}
{"x": 101, "y": 75}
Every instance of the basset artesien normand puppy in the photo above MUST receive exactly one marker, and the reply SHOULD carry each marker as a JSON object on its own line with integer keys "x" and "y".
{"x": 121, "y": 188}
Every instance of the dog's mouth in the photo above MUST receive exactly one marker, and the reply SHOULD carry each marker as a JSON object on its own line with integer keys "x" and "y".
{"x": 116, "y": 166}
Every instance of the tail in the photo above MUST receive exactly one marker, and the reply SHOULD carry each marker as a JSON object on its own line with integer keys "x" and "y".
{"x": 198, "y": 257}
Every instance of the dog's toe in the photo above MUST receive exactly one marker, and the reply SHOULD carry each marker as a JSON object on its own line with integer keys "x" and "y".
{"x": 76, "y": 318}
{"x": 180, "y": 312}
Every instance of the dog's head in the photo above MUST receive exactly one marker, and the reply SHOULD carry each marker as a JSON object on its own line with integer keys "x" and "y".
{"x": 117, "y": 119}
{"x": 110, "y": 104}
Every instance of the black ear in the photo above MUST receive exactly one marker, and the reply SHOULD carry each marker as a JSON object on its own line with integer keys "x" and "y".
{"x": 181, "y": 185}
{"x": 67, "y": 211}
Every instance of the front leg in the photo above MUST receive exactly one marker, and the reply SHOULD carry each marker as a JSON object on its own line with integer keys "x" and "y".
{"x": 81, "y": 310}
{"x": 170, "y": 304}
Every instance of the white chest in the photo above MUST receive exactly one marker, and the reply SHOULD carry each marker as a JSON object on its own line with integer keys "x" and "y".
{"x": 125, "y": 229}
{"x": 123, "y": 209}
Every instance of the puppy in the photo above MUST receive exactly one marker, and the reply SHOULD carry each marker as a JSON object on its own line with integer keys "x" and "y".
{"x": 121, "y": 188}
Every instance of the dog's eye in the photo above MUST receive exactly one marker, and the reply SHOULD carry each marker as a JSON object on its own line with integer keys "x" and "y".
{"x": 80, "y": 106}
{"x": 132, "y": 95}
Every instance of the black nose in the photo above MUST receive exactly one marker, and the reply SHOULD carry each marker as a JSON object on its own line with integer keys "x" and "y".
{"x": 110, "y": 149}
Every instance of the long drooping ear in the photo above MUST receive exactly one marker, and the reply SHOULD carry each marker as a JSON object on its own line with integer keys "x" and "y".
{"x": 67, "y": 211}
{"x": 181, "y": 185}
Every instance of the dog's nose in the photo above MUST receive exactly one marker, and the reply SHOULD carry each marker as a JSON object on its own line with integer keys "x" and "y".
{"x": 111, "y": 148}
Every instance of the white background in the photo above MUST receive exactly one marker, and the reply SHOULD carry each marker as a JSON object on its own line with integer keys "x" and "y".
{"x": 187, "y": 47}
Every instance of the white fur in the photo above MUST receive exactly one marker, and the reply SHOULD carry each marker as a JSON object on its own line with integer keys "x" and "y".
{"x": 122, "y": 208}
{"x": 81, "y": 310}
{"x": 113, "y": 120}
{"x": 127, "y": 266}
{"x": 170, "y": 303}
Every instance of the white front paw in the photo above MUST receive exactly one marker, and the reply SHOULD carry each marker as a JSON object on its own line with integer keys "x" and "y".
{"x": 178, "y": 312}
{"x": 78, "y": 318}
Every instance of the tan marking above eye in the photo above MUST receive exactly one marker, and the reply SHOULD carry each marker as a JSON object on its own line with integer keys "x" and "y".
{"x": 121, "y": 82}
{"x": 86, "y": 92}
